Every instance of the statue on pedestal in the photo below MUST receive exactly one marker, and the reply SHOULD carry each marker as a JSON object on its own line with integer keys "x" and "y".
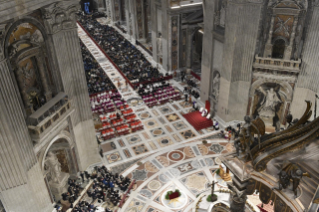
{"x": 54, "y": 167}
{"x": 159, "y": 45}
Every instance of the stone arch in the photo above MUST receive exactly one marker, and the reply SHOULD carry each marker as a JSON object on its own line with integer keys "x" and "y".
{"x": 282, "y": 90}
{"x": 24, "y": 47}
{"x": 12, "y": 27}
{"x": 279, "y": 45}
{"x": 56, "y": 138}
{"x": 285, "y": 85}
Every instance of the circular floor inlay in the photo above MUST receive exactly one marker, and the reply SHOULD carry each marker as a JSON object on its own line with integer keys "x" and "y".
{"x": 164, "y": 141}
{"x": 133, "y": 139}
{"x": 176, "y": 155}
{"x": 114, "y": 157}
{"x": 157, "y": 132}
{"x": 154, "y": 185}
{"x": 151, "y": 123}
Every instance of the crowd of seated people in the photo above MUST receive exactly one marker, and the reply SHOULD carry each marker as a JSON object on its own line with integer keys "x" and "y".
{"x": 126, "y": 56}
{"x": 116, "y": 116}
{"x": 158, "y": 93}
{"x": 106, "y": 188}
{"x": 96, "y": 78}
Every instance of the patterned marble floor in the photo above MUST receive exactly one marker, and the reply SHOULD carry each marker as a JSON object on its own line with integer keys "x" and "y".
{"x": 167, "y": 154}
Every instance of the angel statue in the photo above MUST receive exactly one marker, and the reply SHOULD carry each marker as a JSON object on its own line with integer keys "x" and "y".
{"x": 54, "y": 166}
{"x": 269, "y": 103}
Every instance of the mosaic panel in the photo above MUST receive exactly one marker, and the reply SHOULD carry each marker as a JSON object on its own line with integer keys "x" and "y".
{"x": 114, "y": 157}
{"x": 196, "y": 183}
{"x": 172, "y": 117}
{"x": 140, "y": 149}
{"x": 179, "y": 125}
{"x": 164, "y": 141}
{"x": 144, "y": 115}
{"x": 150, "y": 124}
{"x": 188, "y": 134}
{"x": 133, "y": 139}
{"x": 165, "y": 110}
{"x": 157, "y": 132}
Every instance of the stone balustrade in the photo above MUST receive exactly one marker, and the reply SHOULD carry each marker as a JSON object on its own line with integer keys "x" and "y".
{"x": 277, "y": 64}
{"x": 49, "y": 115}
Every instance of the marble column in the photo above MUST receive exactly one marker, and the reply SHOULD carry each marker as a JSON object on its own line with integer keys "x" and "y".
{"x": 242, "y": 25}
{"x": 21, "y": 179}
{"x": 268, "y": 46}
{"x": 65, "y": 44}
{"x": 165, "y": 35}
{"x": 288, "y": 50}
{"x": 42, "y": 71}
{"x": 208, "y": 51}
{"x": 154, "y": 29}
{"x": 237, "y": 204}
{"x": 307, "y": 83}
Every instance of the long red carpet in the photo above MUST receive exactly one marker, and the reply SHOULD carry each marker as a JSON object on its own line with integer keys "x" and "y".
{"x": 197, "y": 121}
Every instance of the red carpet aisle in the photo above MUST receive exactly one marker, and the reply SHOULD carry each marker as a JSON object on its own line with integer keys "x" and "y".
{"x": 197, "y": 121}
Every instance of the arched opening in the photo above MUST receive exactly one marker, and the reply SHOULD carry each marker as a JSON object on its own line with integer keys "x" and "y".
{"x": 270, "y": 102}
{"x": 279, "y": 49}
{"x": 25, "y": 50}
{"x": 197, "y": 46}
{"x": 59, "y": 165}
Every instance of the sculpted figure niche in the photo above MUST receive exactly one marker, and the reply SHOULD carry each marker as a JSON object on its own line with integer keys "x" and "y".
{"x": 215, "y": 90}
{"x": 54, "y": 167}
{"x": 159, "y": 45}
{"x": 269, "y": 103}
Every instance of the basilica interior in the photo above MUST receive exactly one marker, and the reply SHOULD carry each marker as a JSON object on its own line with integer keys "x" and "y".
{"x": 159, "y": 106}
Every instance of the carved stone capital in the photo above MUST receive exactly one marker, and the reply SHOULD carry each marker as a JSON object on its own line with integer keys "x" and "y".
{"x": 60, "y": 16}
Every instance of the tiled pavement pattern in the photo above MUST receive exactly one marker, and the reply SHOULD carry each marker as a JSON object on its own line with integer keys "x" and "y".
{"x": 167, "y": 154}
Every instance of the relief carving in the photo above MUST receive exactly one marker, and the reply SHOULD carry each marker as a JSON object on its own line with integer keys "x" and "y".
{"x": 60, "y": 16}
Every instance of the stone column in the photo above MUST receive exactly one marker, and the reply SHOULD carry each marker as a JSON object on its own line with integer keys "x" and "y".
{"x": 67, "y": 52}
{"x": 166, "y": 23}
{"x": 208, "y": 50}
{"x": 42, "y": 71}
{"x": 21, "y": 182}
{"x": 307, "y": 83}
{"x": 154, "y": 30}
{"x": 268, "y": 46}
{"x": 238, "y": 57}
{"x": 288, "y": 49}
{"x": 189, "y": 47}
{"x": 237, "y": 204}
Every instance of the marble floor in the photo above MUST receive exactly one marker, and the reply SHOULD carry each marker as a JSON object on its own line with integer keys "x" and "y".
{"x": 168, "y": 154}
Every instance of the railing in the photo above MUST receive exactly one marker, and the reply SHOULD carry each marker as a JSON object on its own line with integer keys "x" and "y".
{"x": 39, "y": 127}
{"x": 143, "y": 47}
{"x": 277, "y": 64}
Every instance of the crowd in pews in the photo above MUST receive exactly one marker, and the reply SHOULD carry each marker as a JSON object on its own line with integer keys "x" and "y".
{"x": 104, "y": 194}
{"x": 125, "y": 55}
{"x": 97, "y": 80}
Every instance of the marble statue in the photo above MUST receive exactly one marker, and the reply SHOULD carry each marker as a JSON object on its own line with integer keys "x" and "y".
{"x": 269, "y": 103}
{"x": 54, "y": 167}
{"x": 216, "y": 81}
{"x": 159, "y": 45}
